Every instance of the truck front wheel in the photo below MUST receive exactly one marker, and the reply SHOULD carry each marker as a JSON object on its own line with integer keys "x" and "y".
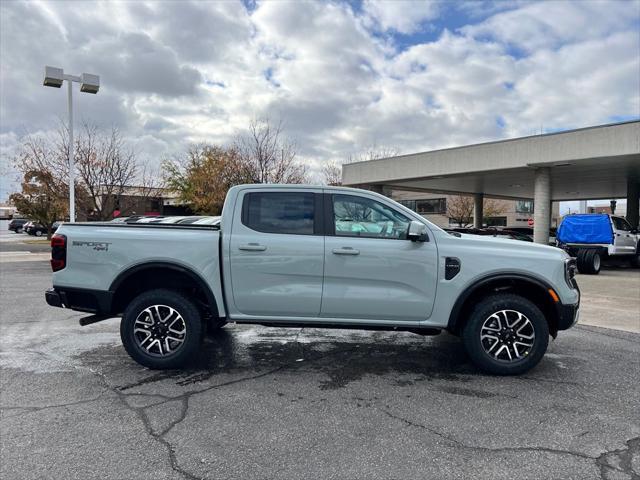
{"x": 506, "y": 334}
{"x": 161, "y": 329}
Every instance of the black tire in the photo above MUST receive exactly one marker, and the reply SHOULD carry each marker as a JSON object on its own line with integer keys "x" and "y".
{"x": 38, "y": 233}
{"x": 477, "y": 350}
{"x": 190, "y": 318}
{"x": 18, "y": 230}
{"x": 580, "y": 263}
{"x": 593, "y": 262}
{"x": 635, "y": 259}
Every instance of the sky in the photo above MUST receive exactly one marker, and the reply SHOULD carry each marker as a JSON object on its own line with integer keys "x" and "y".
{"x": 342, "y": 76}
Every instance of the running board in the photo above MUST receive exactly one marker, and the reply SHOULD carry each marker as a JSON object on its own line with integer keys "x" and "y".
{"x": 84, "y": 321}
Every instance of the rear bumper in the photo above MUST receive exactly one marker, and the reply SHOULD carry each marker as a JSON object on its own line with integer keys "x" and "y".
{"x": 82, "y": 300}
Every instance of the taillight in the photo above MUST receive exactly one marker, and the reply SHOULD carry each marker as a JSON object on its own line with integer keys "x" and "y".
{"x": 58, "y": 252}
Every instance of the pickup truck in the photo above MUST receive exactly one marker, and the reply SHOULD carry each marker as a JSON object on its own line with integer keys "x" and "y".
{"x": 301, "y": 256}
{"x": 594, "y": 237}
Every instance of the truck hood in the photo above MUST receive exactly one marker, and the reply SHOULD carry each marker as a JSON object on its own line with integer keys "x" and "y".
{"x": 513, "y": 245}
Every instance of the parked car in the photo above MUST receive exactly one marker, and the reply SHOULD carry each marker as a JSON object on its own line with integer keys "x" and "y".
{"x": 490, "y": 231}
{"x": 208, "y": 221}
{"x": 147, "y": 219}
{"x": 296, "y": 256}
{"x": 175, "y": 219}
{"x": 594, "y": 237}
{"x": 39, "y": 230}
{"x": 191, "y": 219}
{"x": 529, "y": 232}
{"x": 17, "y": 224}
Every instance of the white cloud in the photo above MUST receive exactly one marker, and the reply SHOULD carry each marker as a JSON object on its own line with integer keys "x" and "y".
{"x": 402, "y": 16}
{"x": 180, "y": 72}
{"x": 552, "y": 24}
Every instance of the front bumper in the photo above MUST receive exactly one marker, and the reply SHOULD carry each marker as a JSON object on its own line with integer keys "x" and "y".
{"x": 568, "y": 316}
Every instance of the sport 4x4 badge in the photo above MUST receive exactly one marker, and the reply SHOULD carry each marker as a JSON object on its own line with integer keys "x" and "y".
{"x": 95, "y": 245}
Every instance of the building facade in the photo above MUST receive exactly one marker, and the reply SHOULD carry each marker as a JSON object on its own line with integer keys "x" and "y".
{"x": 438, "y": 209}
{"x": 134, "y": 200}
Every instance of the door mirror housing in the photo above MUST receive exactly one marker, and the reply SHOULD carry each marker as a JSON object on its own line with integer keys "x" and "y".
{"x": 417, "y": 232}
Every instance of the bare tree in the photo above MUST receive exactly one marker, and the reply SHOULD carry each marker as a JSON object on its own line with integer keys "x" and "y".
{"x": 106, "y": 167}
{"x": 492, "y": 207}
{"x": 460, "y": 209}
{"x": 373, "y": 152}
{"x": 332, "y": 173}
{"x": 44, "y": 192}
{"x": 149, "y": 180}
{"x": 268, "y": 156}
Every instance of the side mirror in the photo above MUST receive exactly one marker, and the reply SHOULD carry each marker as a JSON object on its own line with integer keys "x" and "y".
{"x": 417, "y": 232}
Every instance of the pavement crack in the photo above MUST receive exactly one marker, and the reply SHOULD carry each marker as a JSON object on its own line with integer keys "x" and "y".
{"x": 620, "y": 460}
{"x": 410, "y": 423}
{"x": 141, "y": 414}
{"x": 459, "y": 444}
{"x": 150, "y": 379}
{"x": 38, "y": 408}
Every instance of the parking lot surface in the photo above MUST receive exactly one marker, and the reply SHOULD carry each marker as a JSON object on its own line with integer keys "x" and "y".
{"x": 292, "y": 403}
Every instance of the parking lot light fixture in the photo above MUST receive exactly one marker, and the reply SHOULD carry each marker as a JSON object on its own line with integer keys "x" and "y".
{"x": 89, "y": 83}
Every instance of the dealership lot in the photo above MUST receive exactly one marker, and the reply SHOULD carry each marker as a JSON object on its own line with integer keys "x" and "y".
{"x": 281, "y": 403}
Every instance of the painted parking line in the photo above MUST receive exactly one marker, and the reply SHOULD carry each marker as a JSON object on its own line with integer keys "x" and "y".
{"x": 6, "y": 257}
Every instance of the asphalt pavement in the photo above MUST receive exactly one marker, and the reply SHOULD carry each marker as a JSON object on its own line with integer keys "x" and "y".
{"x": 277, "y": 403}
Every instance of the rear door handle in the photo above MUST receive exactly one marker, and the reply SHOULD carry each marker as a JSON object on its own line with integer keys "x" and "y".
{"x": 346, "y": 251}
{"x": 252, "y": 247}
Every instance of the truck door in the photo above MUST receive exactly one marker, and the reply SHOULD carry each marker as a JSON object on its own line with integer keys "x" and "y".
{"x": 276, "y": 253}
{"x": 372, "y": 271}
{"x": 624, "y": 241}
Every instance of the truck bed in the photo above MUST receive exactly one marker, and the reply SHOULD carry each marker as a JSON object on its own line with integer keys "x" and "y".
{"x": 98, "y": 253}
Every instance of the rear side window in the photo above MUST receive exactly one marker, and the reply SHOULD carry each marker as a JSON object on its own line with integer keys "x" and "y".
{"x": 290, "y": 213}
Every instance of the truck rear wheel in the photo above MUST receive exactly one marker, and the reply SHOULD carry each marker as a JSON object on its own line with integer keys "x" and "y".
{"x": 506, "y": 334}
{"x": 635, "y": 259}
{"x": 589, "y": 261}
{"x": 161, "y": 329}
{"x": 593, "y": 262}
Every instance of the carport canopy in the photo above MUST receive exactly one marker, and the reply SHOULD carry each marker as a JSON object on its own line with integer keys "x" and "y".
{"x": 601, "y": 162}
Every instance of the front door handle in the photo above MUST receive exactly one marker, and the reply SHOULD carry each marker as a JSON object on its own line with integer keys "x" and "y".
{"x": 346, "y": 251}
{"x": 252, "y": 247}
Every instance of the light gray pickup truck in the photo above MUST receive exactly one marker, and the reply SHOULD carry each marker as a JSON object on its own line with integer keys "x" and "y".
{"x": 300, "y": 256}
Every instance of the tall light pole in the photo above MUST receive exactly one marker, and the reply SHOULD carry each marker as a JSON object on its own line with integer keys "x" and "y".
{"x": 53, "y": 77}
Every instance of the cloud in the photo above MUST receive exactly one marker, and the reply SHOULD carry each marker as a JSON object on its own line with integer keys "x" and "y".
{"x": 402, "y": 16}
{"x": 341, "y": 75}
{"x": 545, "y": 25}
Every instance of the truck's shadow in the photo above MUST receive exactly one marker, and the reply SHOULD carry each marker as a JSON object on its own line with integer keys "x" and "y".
{"x": 342, "y": 359}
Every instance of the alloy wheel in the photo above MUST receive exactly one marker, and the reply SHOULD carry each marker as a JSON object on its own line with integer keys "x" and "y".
{"x": 159, "y": 330}
{"x": 507, "y": 335}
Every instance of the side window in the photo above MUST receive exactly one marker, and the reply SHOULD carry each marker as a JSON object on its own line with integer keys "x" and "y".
{"x": 362, "y": 217}
{"x": 621, "y": 224}
{"x": 279, "y": 212}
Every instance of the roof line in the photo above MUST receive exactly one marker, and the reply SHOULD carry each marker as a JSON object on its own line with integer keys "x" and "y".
{"x": 505, "y": 140}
